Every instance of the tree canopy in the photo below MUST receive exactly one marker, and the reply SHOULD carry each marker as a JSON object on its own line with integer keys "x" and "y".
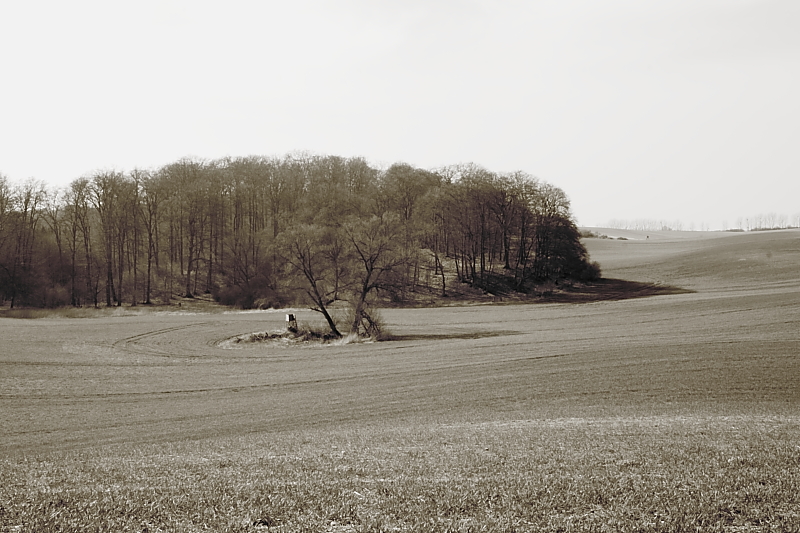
{"x": 273, "y": 231}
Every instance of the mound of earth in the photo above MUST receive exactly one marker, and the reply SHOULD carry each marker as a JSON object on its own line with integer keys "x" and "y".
{"x": 292, "y": 337}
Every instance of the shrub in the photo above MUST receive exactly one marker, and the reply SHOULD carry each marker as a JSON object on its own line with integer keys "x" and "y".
{"x": 589, "y": 234}
{"x": 248, "y": 297}
{"x": 591, "y": 272}
{"x": 57, "y": 296}
{"x": 370, "y": 323}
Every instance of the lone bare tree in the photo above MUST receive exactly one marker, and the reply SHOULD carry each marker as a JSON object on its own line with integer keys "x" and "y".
{"x": 307, "y": 252}
{"x": 376, "y": 254}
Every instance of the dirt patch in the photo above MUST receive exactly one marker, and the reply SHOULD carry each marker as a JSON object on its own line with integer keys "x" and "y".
{"x": 610, "y": 289}
{"x": 291, "y": 338}
{"x": 286, "y": 338}
{"x": 450, "y": 336}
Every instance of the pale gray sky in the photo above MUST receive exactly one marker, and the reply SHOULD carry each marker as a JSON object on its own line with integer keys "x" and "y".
{"x": 676, "y": 109}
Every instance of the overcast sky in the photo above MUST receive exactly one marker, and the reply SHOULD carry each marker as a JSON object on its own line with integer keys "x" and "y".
{"x": 677, "y": 109}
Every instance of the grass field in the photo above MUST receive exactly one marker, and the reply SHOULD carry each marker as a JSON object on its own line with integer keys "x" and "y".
{"x": 678, "y": 412}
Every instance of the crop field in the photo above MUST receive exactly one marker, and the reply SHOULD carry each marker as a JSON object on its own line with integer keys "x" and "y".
{"x": 675, "y": 412}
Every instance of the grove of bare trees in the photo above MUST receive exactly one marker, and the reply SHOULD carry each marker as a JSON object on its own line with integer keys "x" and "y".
{"x": 275, "y": 231}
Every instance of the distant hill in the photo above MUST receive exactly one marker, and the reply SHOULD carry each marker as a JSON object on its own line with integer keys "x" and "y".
{"x": 613, "y": 233}
{"x": 699, "y": 260}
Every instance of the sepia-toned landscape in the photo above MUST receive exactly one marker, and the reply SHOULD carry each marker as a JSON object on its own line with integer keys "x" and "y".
{"x": 400, "y": 267}
{"x": 601, "y": 412}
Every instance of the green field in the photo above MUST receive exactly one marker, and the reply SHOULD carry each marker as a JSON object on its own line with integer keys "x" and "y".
{"x": 678, "y": 412}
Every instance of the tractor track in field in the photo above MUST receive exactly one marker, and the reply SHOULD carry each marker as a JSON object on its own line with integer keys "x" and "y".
{"x": 137, "y": 344}
{"x": 356, "y": 377}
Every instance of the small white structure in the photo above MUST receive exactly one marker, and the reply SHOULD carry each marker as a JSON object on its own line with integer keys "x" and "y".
{"x": 291, "y": 322}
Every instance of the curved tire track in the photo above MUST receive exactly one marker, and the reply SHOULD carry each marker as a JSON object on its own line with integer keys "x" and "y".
{"x": 142, "y": 344}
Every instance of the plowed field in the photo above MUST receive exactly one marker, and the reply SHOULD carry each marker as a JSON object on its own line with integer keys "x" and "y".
{"x": 728, "y": 350}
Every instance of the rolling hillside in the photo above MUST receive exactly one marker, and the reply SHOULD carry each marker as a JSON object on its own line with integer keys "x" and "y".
{"x": 700, "y": 260}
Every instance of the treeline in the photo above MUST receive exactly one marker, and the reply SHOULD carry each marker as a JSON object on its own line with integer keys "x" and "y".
{"x": 769, "y": 221}
{"x": 261, "y": 230}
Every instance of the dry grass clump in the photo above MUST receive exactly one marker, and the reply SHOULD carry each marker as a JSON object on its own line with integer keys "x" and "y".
{"x": 300, "y": 335}
{"x": 186, "y": 306}
{"x": 67, "y": 312}
{"x": 645, "y": 475}
{"x": 279, "y": 337}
